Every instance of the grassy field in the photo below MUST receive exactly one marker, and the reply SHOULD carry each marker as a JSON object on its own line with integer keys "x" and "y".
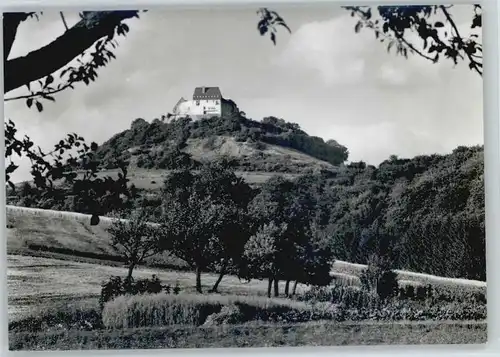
{"x": 34, "y": 282}
{"x": 256, "y": 335}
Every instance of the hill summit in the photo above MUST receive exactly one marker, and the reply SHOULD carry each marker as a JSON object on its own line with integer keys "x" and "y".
{"x": 270, "y": 145}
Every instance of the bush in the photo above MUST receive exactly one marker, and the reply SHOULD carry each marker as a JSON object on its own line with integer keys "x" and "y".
{"x": 388, "y": 285}
{"x": 345, "y": 297}
{"x": 117, "y": 287}
{"x": 379, "y": 278}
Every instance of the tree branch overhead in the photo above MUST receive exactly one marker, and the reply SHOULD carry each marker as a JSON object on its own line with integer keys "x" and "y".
{"x": 52, "y": 57}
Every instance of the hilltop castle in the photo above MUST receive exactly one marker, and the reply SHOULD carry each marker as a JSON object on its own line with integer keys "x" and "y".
{"x": 207, "y": 102}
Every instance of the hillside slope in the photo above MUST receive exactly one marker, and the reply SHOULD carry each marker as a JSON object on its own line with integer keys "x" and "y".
{"x": 271, "y": 145}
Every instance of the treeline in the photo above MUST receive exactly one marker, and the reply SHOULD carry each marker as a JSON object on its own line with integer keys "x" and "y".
{"x": 214, "y": 221}
{"x": 172, "y": 137}
{"x": 425, "y": 214}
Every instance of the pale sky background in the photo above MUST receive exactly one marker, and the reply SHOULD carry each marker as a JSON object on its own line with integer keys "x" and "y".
{"x": 336, "y": 84}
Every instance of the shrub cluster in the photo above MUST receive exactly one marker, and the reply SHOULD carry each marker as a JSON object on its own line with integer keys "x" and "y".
{"x": 381, "y": 279}
{"x": 116, "y": 286}
{"x": 358, "y": 304}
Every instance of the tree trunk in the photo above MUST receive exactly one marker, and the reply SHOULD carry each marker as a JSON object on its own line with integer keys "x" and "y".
{"x": 294, "y": 288}
{"x": 221, "y": 275}
{"x": 287, "y": 287}
{"x": 130, "y": 270}
{"x": 276, "y": 287}
{"x": 269, "y": 287}
{"x": 198, "y": 280}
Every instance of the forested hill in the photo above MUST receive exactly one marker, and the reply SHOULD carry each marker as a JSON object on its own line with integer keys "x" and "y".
{"x": 426, "y": 212}
{"x": 271, "y": 145}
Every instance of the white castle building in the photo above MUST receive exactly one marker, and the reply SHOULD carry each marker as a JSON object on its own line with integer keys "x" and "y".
{"x": 207, "y": 102}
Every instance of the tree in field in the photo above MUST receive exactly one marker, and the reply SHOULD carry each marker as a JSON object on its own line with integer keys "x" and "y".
{"x": 272, "y": 207}
{"x": 315, "y": 260}
{"x": 135, "y": 240}
{"x": 72, "y": 58}
{"x": 233, "y": 195}
{"x": 262, "y": 254}
{"x": 204, "y": 218}
{"x": 439, "y": 34}
{"x": 285, "y": 211}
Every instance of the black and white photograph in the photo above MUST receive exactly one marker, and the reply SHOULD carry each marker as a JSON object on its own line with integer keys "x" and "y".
{"x": 244, "y": 176}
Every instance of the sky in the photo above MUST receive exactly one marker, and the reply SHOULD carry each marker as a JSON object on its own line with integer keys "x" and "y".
{"x": 334, "y": 83}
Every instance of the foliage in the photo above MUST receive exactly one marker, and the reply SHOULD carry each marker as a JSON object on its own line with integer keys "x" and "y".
{"x": 116, "y": 286}
{"x": 287, "y": 244}
{"x": 425, "y": 214}
{"x": 204, "y": 217}
{"x": 269, "y": 22}
{"x": 72, "y": 163}
{"x": 159, "y": 144}
{"x": 135, "y": 239}
{"x": 378, "y": 277}
{"x": 433, "y": 24}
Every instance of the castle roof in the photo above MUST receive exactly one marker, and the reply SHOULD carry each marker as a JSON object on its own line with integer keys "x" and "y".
{"x": 207, "y": 93}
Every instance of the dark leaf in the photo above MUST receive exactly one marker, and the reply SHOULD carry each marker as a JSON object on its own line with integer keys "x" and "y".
{"x": 358, "y": 26}
{"x": 39, "y": 106}
{"x": 477, "y": 21}
{"x": 29, "y": 102}
{"x": 49, "y": 80}
{"x": 438, "y": 24}
{"x": 11, "y": 168}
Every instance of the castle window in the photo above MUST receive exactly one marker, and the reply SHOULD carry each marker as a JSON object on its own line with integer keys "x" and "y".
{"x": 197, "y": 102}
{"x": 217, "y": 102}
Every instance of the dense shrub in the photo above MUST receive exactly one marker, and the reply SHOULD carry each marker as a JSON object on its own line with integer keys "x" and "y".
{"x": 379, "y": 278}
{"x": 116, "y": 286}
{"x": 359, "y": 304}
